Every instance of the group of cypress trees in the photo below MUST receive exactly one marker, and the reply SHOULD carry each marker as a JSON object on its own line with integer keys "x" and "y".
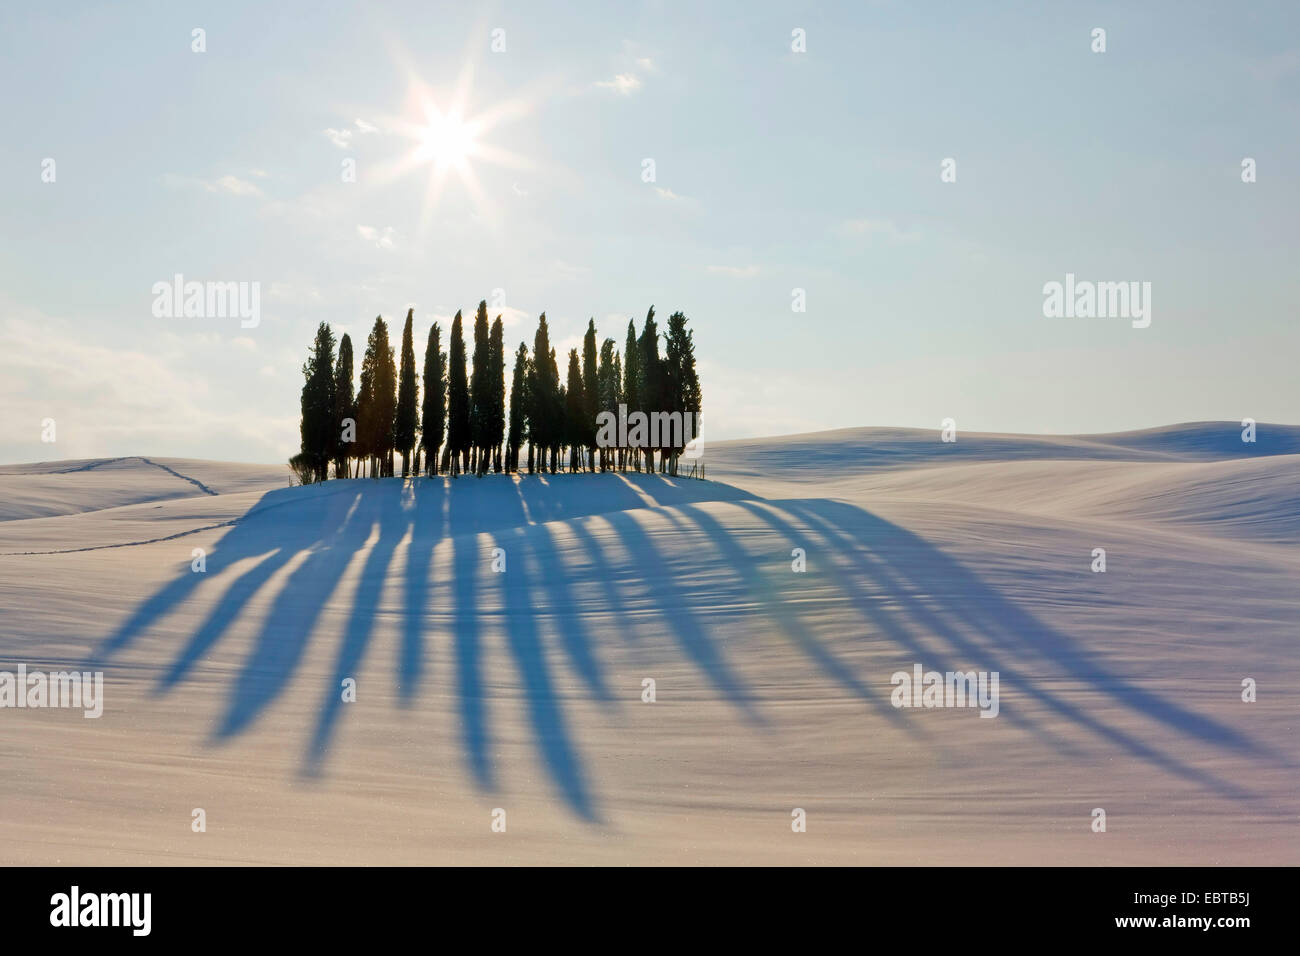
{"x": 463, "y": 424}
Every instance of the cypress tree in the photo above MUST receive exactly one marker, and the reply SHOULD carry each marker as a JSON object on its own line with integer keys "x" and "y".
{"x": 631, "y": 389}
{"x": 434, "y": 411}
{"x": 651, "y": 385}
{"x": 607, "y": 387}
{"x": 317, "y": 401}
{"x": 590, "y": 392}
{"x": 618, "y": 385}
{"x": 518, "y": 402}
{"x": 681, "y": 379}
{"x": 364, "y": 448}
{"x": 386, "y": 399}
{"x": 554, "y": 409}
{"x": 479, "y": 392}
{"x": 405, "y": 421}
{"x": 496, "y": 389}
{"x": 377, "y": 401}
{"x": 345, "y": 407}
{"x": 575, "y": 412}
{"x": 545, "y": 413}
{"x": 458, "y": 410}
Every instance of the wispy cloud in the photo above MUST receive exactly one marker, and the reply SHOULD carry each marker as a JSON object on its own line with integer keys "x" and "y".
{"x": 228, "y": 184}
{"x": 234, "y": 186}
{"x": 736, "y": 272}
{"x": 110, "y": 397}
{"x": 342, "y": 138}
{"x": 510, "y": 317}
{"x": 883, "y": 228}
{"x": 383, "y": 239}
{"x": 625, "y": 84}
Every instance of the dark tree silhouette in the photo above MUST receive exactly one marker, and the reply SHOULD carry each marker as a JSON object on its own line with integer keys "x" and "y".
{"x": 386, "y": 400}
{"x": 479, "y": 392}
{"x": 608, "y": 389}
{"x": 345, "y": 410}
{"x": 630, "y": 457}
{"x": 317, "y": 426}
{"x": 682, "y": 381}
{"x": 458, "y": 410}
{"x": 518, "y": 403}
{"x": 652, "y": 382}
{"x": 545, "y": 412}
{"x": 590, "y": 394}
{"x": 434, "y": 412}
{"x": 405, "y": 421}
{"x": 365, "y": 443}
{"x": 377, "y": 401}
{"x": 466, "y": 416}
{"x": 496, "y": 393}
{"x": 575, "y": 412}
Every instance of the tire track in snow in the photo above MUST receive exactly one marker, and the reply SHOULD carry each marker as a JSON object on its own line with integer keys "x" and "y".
{"x": 113, "y": 461}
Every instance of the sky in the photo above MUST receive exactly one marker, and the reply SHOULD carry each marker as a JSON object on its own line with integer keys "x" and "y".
{"x": 775, "y": 169}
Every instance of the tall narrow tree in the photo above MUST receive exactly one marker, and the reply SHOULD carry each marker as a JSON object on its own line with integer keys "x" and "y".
{"x": 496, "y": 393}
{"x": 458, "y": 409}
{"x": 575, "y": 411}
{"x": 386, "y": 393}
{"x": 651, "y": 385}
{"x": 377, "y": 403}
{"x": 317, "y": 402}
{"x": 682, "y": 382}
{"x": 479, "y": 390}
{"x": 619, "y": 397}
{"x": 630, "y": 457}
{"x": 405, "y": 421}
{"x": 518, "y": 402}
{"x": 345, "y": 409}
{"x": 365, "y": 448}
{"x": 590, "y": 392}
{"x": 434, "y": 411}
{"x": 545, "y": 413}
{"x": 607, "y": 388}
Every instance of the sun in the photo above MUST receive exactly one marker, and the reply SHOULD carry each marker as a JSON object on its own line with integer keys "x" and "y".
{"x": 446, "y": 140}
{"x": 448, "y": 143}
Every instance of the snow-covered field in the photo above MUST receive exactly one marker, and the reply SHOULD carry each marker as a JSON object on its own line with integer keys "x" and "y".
{"x": 523, "y": 690}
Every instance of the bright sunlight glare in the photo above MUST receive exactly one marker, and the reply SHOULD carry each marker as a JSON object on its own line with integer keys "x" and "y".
{"x": 447, "y": 140}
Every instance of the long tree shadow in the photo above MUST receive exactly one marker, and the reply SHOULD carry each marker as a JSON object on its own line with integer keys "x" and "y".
{"x": 979, "y": 624}
{"x": 389, "y": 525}
{"x": 867, "y": 598}
{"x": 307, "y": 519}
{"x": 544, "y": 705}
{"x": 309, "y": 538}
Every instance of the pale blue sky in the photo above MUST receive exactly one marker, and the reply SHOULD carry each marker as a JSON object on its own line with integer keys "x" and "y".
{"x": 775, "y": 170}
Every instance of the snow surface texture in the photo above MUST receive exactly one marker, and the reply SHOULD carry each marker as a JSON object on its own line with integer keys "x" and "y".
{"x": 522, "y": 690}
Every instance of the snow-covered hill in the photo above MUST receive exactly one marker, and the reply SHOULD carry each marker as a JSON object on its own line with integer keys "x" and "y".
{"x": 501, "y": 633}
